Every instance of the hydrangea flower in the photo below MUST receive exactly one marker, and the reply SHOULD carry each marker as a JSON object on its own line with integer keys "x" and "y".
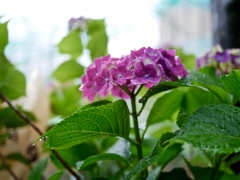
{"x": 145, "y": 66}
{"x": 229, "y": 59}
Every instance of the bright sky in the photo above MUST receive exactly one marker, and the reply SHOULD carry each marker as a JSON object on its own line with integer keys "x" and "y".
{"x": 131, "y": 23}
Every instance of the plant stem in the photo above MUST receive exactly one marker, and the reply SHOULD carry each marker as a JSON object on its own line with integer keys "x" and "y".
{"x": 136, "y": 128}
{"x": 25, "y": 118}
{"x": 8, "y": 167}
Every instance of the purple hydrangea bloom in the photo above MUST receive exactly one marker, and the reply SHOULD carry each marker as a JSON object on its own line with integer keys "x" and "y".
{"x": 145, "y": 66}
{"x": 235, "y": 60}
{"x": 223, "y": 57}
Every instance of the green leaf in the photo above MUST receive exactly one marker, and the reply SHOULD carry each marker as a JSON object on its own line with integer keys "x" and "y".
{"x": 231, "y": 82}
{"x": 211, "y": 71}
{"x": 230, "y": 177}
{"x": 182, "y": 118}
{"x": 164, "y": 86}
{"x": 2, "y": 167}
{"x": 3, "y": 35}
{"x": 169, "y": 154}
{"x": 38, "y": 170}
{"x": 213, "y": 128}
{"x": 71, "y": 44}
{"x": 13, "y": 86}
{"x": 176, "y": 173}
{"x": 10, "y": 119}
{"x": 212, "y": 84}
{"x": 147, "y": 161}
{"x": 56, "y": 176}
{"x": 19, "y": 157}
{"x": 99, "y": 39}
{"x": 101, "y": 157}
{"x": 188, "y": 60}
{"x": 107, "y": 120}
{"x": 67, "y": 101}
{"x": 165, "y": 137}
{"x": 195, "y": 98}
{"x": 4, "y": 67}
{"x": 164, "y": 107}
{"x": 94, "y": 104}
{"x": 68, "y": 70}
{"x": 74, "y": 154}
{"x": 123, "y": 148}
{"x": 201, "y": 173}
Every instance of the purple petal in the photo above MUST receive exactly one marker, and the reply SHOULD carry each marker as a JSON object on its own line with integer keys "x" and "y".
{"x": 222, "y": 57}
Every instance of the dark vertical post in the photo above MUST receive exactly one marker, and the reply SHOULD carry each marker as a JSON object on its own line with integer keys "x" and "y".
{"x": 226, "y": 23}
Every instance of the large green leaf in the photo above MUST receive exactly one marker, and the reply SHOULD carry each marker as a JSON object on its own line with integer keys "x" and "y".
{"x": 94, "y": 104}
{"x": 165, "y": 106}
{"x": 56, "y": 176}
{"x": 68, "y": 70}
{"x": 164, "y": 86}
{"x": 212, "y": 84}
{"x": 13, "y": 86}
{"x": 147, "y": 161}
{"x": 213, "y": 128}
{"x": 101, "y": 157}
{"x": 99, "y": 39}
{"x": 107, "y": 120}
{"x": 3, "y": 35}
{"x": 74, "y": 154}
{"x": 232, "y": 82}
{"x": 71, "y": 44}
{"x": 37, "y": 171}
{"x": 18, "y": 157}
{"x": 10, "y": 119}
{"x": 195, "y": 98}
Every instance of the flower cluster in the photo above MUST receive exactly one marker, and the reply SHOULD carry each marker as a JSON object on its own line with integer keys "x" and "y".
{"x": 229, "y": 56}
{"x": 145, "y": 66}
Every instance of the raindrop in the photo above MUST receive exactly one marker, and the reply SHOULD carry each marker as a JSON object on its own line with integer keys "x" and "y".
{"x": 33, "y": 144}
{"x": 40, "y": 139}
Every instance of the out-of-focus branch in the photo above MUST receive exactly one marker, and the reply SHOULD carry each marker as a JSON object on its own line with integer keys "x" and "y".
{"x": 25, "y": 118}
{"x": 8, "y": 167}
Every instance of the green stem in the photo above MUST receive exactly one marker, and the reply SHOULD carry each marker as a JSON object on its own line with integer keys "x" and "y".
{"x": 136, "y": 127}
{"x": 217, "y": 160}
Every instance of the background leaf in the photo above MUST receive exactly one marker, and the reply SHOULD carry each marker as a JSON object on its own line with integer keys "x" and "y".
{"x": 10, "y": 119}
{"x": 38, "y": 170}
{"x": 211, "y": 71}
{"x": 67, "y": 101}
{"x": 71, "y": 44}
{"x": 195, "y": 98}
{"x": 74, "y": 154}
{"x": 147, "y": 161}
{"x": 101, "y": 157}
{"x": 174, "y": 174}
{"x": 19, "y": 157}
{"x": 165, "y": 106}
{"x": 56, "y": 176}
{"x": 13, "y": 86}
{"x": 201, "y": 173}
{"x": 3, "y": 35}
{"x": 109, "y": 120}
{"x": 68, "y": 70}
{"x": 4, "y": 66}
{"x": 232, "y": 82}
{"x": 214, "y": 85}
{"x": 99, "y": 39}
{"x": 213, "y": 128}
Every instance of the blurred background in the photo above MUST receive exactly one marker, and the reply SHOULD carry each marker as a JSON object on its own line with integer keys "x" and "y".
{"x": 36, "y": 27}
